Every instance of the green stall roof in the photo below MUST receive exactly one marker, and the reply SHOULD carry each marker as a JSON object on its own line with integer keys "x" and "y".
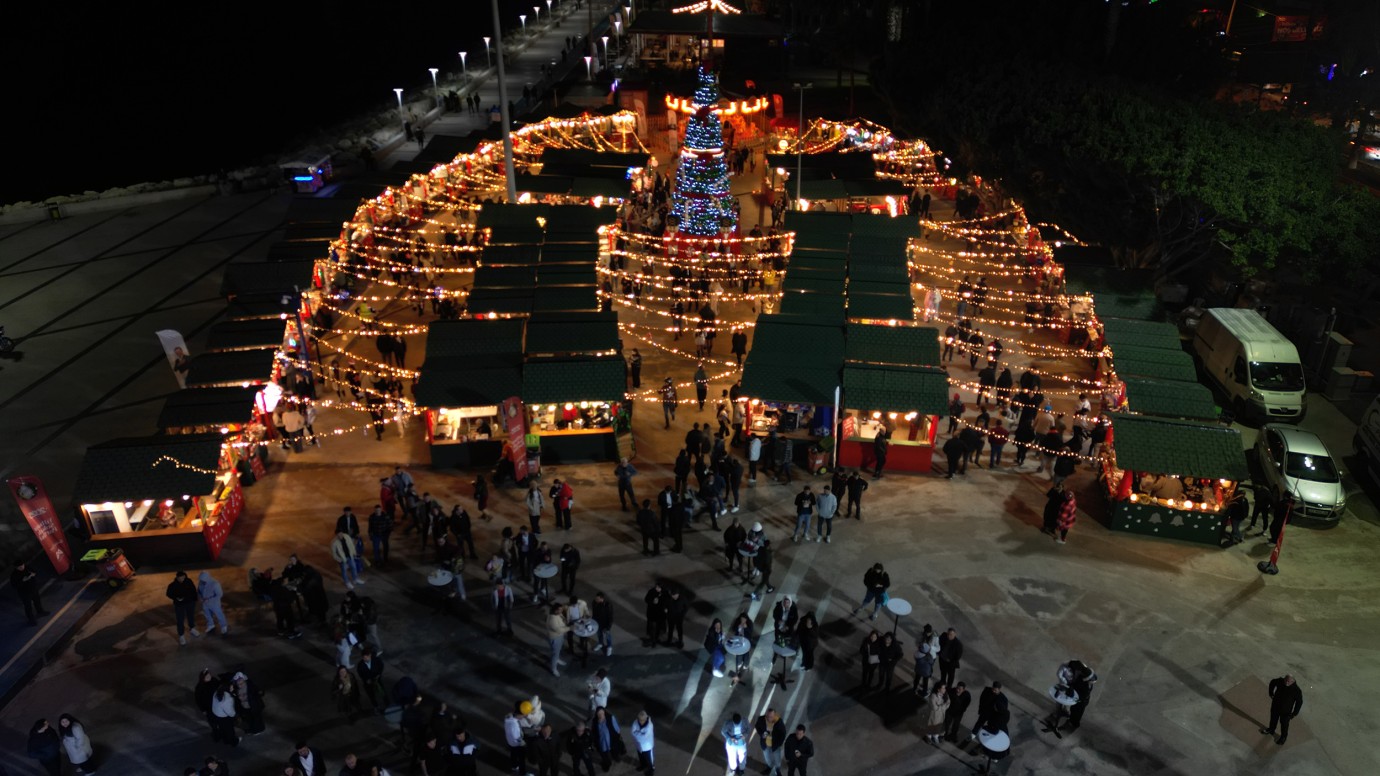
{"x": 896, "y": 389}
{"x": 859, "y": 286}
{"x": 1116, "y": 293}
{"x": 499, "y": 255}
{"x": 906, "y": 345}
{"x": 567, "y": 274}
{"x": 250, "y": 334}
{"x": 569, "y": 252}
{"x": 1170, "y": 399}
{"x": 793, "y": 359}
{"x": 875, "y": 225}
{"x": 460, "y": 383}
{"x": 883, "y": 307}
{"x": 824, "y": 307}
{"x": 231, "y": 367}
{"x": 503, "y": 276}
{"x": 133, "y": 469}
{"x": 469, "y": 337}
{"x": 1145, "y": 334}
{"x": 1158, "y": 363}
{"x": 798, "y": 280}
{"x": 554, "y": 299}
{"x": 561, "y": 380}
{"x": 503, "y": 301}
{"x": 568, "y": 333}
{"x": 503, "y": 214}
{"x": 1182, "y": 447}
{"x": 872, "y": 272}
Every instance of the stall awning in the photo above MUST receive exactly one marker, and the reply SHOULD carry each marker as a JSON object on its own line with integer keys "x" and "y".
{"x": 1185, "y": 448}
{"x": 208, "y": 407}
{"x": 499, "y": 276}
{"x": 571, "y": 333}
{"x": 906, "y": 345}
{"x": 583, "y": 274}
{"x": 248, "y": 334}
{"x": 235, "y": 367}
{"x": 574, "y": 380}
{"x": 793, "y": 359}
{"x": 1125, "y": 332}
{"x": 553, "y": 299}
{"x": 1156, "y": 363}
{"x": 500, "y": 301}
{"x": 825, "y": 308}
{"x": 132, "y": 470}
{"x": 267, "y": 277}
{"x": 466, "y": 383}
{"x": 473, "y": 337}
{"x": 1170, "y": 399}
{"x": 518, "y": 252}
{"x": 896, "y": 389}
{"x": 881, "y": 307}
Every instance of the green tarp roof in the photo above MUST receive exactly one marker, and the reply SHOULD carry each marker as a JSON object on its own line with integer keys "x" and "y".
{"x": 858, "y": 286}
{"x": 834, "y": 261}
{"x": 576, "y": 217}
{"x": 1185, "y": 448}
{"x": 567, "y": 274}
{"x": 266, "y": 277}
{"x": 570, "y": 252}
{"x": 1170, "y": 399}
{"x": 802, "y": 384}
{"x": 473, "y": 337}
{"x": 233, "y": 367}
{"x": 896, "y": 389}
{"x": 503, "y": 301}
{"x": 815, "y": 221}
{"x": 1159, "y": 363}
{"x": 902, "y": 227}
{"x": 129, "y": 469}
{"x": 571, "y": 333}
{"x": 884, "y": 307}
{"x": 501, "y": 276}
{"x": 869, "y": 272}
{"x": 208, "y": 407}
{"x": 812, "y": 282}
{"x": 824, "y": 307}
{"x": 504, "y": 214}
{"x": 552, "y": 298}
{"x": 467, "y": 383}
{"x": 500, "y": 255}
{"x": 247, "y": 334}
{"x": 821, "y": 239}
{"x": 793, "y": 359}
{"x": 575, "y": 380}
{"x": 876, "y": 344}
{"x": 1146, "y": 334}
{"x": 1117, "y": 293}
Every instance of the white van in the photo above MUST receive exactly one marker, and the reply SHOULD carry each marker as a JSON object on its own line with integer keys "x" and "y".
{"x": 1256, "y": 366}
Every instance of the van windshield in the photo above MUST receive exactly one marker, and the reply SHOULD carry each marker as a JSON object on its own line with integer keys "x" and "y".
{"x": 1317, "y": 468}
{"x": 1276, "y": 376}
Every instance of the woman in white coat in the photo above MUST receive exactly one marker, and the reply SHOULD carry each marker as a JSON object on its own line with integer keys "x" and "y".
{"x": 76, "y": 744}
{"x": 642, "y": 734}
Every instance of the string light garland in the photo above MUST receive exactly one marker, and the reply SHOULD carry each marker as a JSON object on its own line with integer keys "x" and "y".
{"x": 175, "y": 463}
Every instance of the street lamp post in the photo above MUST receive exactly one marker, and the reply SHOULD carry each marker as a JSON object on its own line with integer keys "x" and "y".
{"x": 606, "y": 51}
{"x": 505, "y": 115}
{"x": 464, "y": 66}
{"x": 617, "y": 31}
{"x": 800, "y": 141}
{"x": 536, "y": 14}
{"x": 522, "y": 17}
{"x": 488, "y": 54}
{"x": 589, "y": 74}
{"x": 401, "y": 118}
{"x": 435, "y": 90}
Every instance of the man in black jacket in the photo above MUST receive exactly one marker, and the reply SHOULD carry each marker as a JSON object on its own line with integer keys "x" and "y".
{"x": 876, "y": 581}
{"x": 799, "y": 750}
{"x": 602, "y": 612}
{"x": 650, "y": 529}
{"x": 856, "y": 487}
{"x": 655, "y": 600}
{"x": 370, "y": 670}
{"x": 989, "y": 703}
{"x": 676, "y": 607}
{"x": 25, "y": 582}
{"x": 950, "y": 653}
{"x": 545, "y": 752}
{"x": 570, "y": 563}
{"x": 182, "y": 592}
{"x": 771, "y": 734}
{"x": 958, "y": 705}
{"x": 1286, "y": 701}
{"x": 347, "y": 523}
{"x": 763, "y": 563}
{"x": 307, "y": 761}
{"x": 579, "y": 744}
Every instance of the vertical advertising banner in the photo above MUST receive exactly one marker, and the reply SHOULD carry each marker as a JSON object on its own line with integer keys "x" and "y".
{"x": 178, "y": 356}
{"x": 38, "y": 510}
{"x": 515, "y": 424}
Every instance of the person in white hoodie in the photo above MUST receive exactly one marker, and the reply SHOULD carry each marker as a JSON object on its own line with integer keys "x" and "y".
{"x": 642, "y": 733}
{"x": 535, "y": 502}
{"x": 599, "y": 689}
{"x": 76, "y": 744}
{"x": 210, "y": 593}
{"x": 926, "y": 652}
{"x": 517, "y": 745}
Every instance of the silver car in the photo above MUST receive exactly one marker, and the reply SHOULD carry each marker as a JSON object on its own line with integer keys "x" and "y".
{"x": 1298, "y": 462}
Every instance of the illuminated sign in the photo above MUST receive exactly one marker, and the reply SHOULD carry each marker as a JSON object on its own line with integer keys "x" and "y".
{"x": 723, "y": 108}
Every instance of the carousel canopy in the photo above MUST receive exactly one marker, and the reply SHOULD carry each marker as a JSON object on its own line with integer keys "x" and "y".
{"x": 1185, "y": 448}
{"x": 581, "y": 161}
{"x": 154, "y": 467}
{"x": 1170, "y": 399}
{"x": 896, "y": 389}
{"x": 555, "y": 381}
{"x": 208, "y": 407}
{"x": 743, "y": 25}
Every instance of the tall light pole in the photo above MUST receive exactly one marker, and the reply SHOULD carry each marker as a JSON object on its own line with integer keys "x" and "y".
{"x": 435, "y": 90}
{"x": 548, "y": 8}
{"x": 589, "y": 74}
{"x": 536, "y": 14}
{"x": 800, "y": 141}
{"x": 522, "y": 17}
{"x": 617, "y": 31}
{"x": 488, "y": 54}
{"x": 606, "y": 51}
{"x": 401, "y": 118}
{"x": 503, "y": 109}
{"x": 464, "y": 67}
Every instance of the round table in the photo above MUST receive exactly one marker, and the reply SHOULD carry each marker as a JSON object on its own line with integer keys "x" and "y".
{"x": 749, "y": 554}
{"x": 737, "y": 645}
{"x": 1065, "y": 697}
{"x": 785, "y": 653}
{"x": 585, "y": 627}
{"x": 546, "y": 571}
{"x": 995, "y": 746}
{"x": 440, "y": 578}
{"x": 899, "y": 607}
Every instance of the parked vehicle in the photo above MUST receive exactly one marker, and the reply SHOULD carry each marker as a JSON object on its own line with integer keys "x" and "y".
{"x": 1256, "y": 366}
{"x": 1298, "y": 462}
{"x": 1367, "y": 440}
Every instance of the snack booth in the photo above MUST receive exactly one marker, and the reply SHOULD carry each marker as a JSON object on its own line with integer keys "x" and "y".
{"x": 577, "y": 409}
{"x": 1171, "y": 478}
{"x": 791, "y": 383}
{"x": 161, "y": 499}
{"x": 890, "y": 381}
{"x": 471, "y": 367}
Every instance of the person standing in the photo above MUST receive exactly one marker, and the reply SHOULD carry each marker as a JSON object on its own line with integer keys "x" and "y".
{"x": 535, "y": 504}
{"x": 807, "y": 637}
{"x": 512, "y": 735}
{"x": 734, "y": 468}
{"x": 503, "y": 609}
{"x": 249, "y": 702}
{"x": 370, "y": 673}
{"x": 735, "y": 732}
{"x": 958, "y": 704}
{"x": 650, "y": 529}
{"x": 1286, "y": 701}
{"x": 481, "y": 497}
{"x": 1068, "y": 515}
{"x": 25, "y": 582}
{"x": 826, "y": 506}
{"x": 345, "y": 690}
{"x": 875, "y": 582}
{"x": 799, "y": 749}
{"x": 950, "y": 655}
{"x": 857, "y": 486}
{"x": 182, "y": 592}
{"x": 210, "y": 593}
{"x": 804, "y": 510}
{"x": 76, "y": 743}
{"x": 871, "y": 654}
{"x": 701, "y": 385}
{"x": 562, "y": 498}
{"x": 643, "y": 734}
{"x": 380, "y": 529}
{"x": 608, "y": 740}
{"x": 763, "y": 563}
{"x": 461, "y": 527}
{"x": 880, "y": 443}
{"x": 676, "y": 608}
{"x": 1054, "y": 502}
{"x": 771, "y": 735}
{"x": 669, "y": 401}
{"x": 570, "y": 565}
{"x": 996, "y": 439}
{"x": 343, "y": 551}
{"x": 890, "y": 655}
{"x": 1284, "y": 506}
{"x": 714, "y": 644}
{"x": 45, "y": 745}
{"x": 1262, "y": 497}
{"x": 625, "y": 471}
{"x": 926, "y": 652}
{"x": 635, "y": 369}
{"x": 754, "y": 455}
{"x": 936, "y": 709}
{"x": 223, "y": 715}
{"x": 579, "y": 744}
{"x": 990, "y": 705}
{"x": 738, "y": 344}
{"x": 602, "y": 612}
{"x": 656, "y": 613}
{"x": 545, "y": 752}
{"x": 1082, "y": 683}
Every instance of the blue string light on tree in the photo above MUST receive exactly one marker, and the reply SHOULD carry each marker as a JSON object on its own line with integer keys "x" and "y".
{"x": 701, "y": 201}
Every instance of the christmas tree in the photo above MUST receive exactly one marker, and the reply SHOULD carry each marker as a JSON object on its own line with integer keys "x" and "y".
{"x": 701, "y": 199}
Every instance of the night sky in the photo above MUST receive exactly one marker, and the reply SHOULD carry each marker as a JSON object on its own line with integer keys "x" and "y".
{"x": 105, "y": 95}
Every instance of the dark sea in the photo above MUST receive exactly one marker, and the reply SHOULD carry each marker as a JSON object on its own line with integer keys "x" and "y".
{"x": 101, "y": 95}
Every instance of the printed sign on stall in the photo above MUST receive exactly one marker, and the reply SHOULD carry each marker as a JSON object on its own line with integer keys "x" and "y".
{"x": 515, "y": 424}
{"x": 38, "y": 510}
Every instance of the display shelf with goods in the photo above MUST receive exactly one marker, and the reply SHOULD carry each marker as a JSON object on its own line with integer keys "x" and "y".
{"x": 576, "y": 407}
{"x": 890, "y": 382}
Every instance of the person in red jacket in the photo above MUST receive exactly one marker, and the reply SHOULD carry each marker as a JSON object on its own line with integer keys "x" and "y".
{"x": 562, "y": 498}
{"x": 1068, "y": 515}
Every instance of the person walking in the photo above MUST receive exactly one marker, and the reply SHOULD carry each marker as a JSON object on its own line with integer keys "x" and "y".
{"x": 625, "y": 471}
{"x": 804, "y": 510}
{"x": 763, "y": 564}
{"x": 669, "y": 401}
{"x": 562, "y": 499}
{"x": 950, "y": 656}
{"x": 958, "y": 704}
{"x": 643, "y": 733}
{"x": 602, "y": 612}
{"x": 370, "y": 673}
{"x": 345, "y": 690}
{"x": 1068, "y": 515}
{"x": 996, "y": 440}
{"x": 735, "y": 732}
{"x": 535, "y": 503}
{"x": 798, "y": 751}
{"x": 926, "y": 653}
{"x": 1084, "y": 678}
{"x": 608, "y": 739}
{"x": 347, "y": 523}
{"x": 1262, "y": 499}
{"x": 380, "y": 529}
{"x": 650, "y": 528}
{"x": 182, "y": 592}
{"x": 570, "y": 565}
{"x": 481, "y": 497}
{"x": 754, "y": 456}
{"x": 503, "y": 609}
{"x": 25, "y": 583}
{"x": 344, "y": 552}
{"x": 701, "y": 385}
{"x": 460, "y": 526}
{"x": 936, "y": 709}
{"x": 875, "y": 582}
{"x": 880, "y": 444}
{"x": 826, "y": 506}
{"x": 76, "y": 744}
{"x": 45, "y": 745}
{"x": 771, "y": 735}
{"x": 871, "y": 654}
{"x": 1286, "y": 701}
{"x": 857, "y": 486}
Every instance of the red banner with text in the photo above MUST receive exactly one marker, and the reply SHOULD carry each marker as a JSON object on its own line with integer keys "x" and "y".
{"x": 515, "y": 424}
{"x": 38, "y": 510}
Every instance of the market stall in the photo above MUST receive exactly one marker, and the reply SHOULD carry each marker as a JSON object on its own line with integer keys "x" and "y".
{"x": 577, "y": 409}
{"x": 161, "y": 499}
{"x": 1171, "y": 478}
{"x": 890, "y": 382}
{"x": 471, "y": 367}
{"x": 791, "y": 381}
